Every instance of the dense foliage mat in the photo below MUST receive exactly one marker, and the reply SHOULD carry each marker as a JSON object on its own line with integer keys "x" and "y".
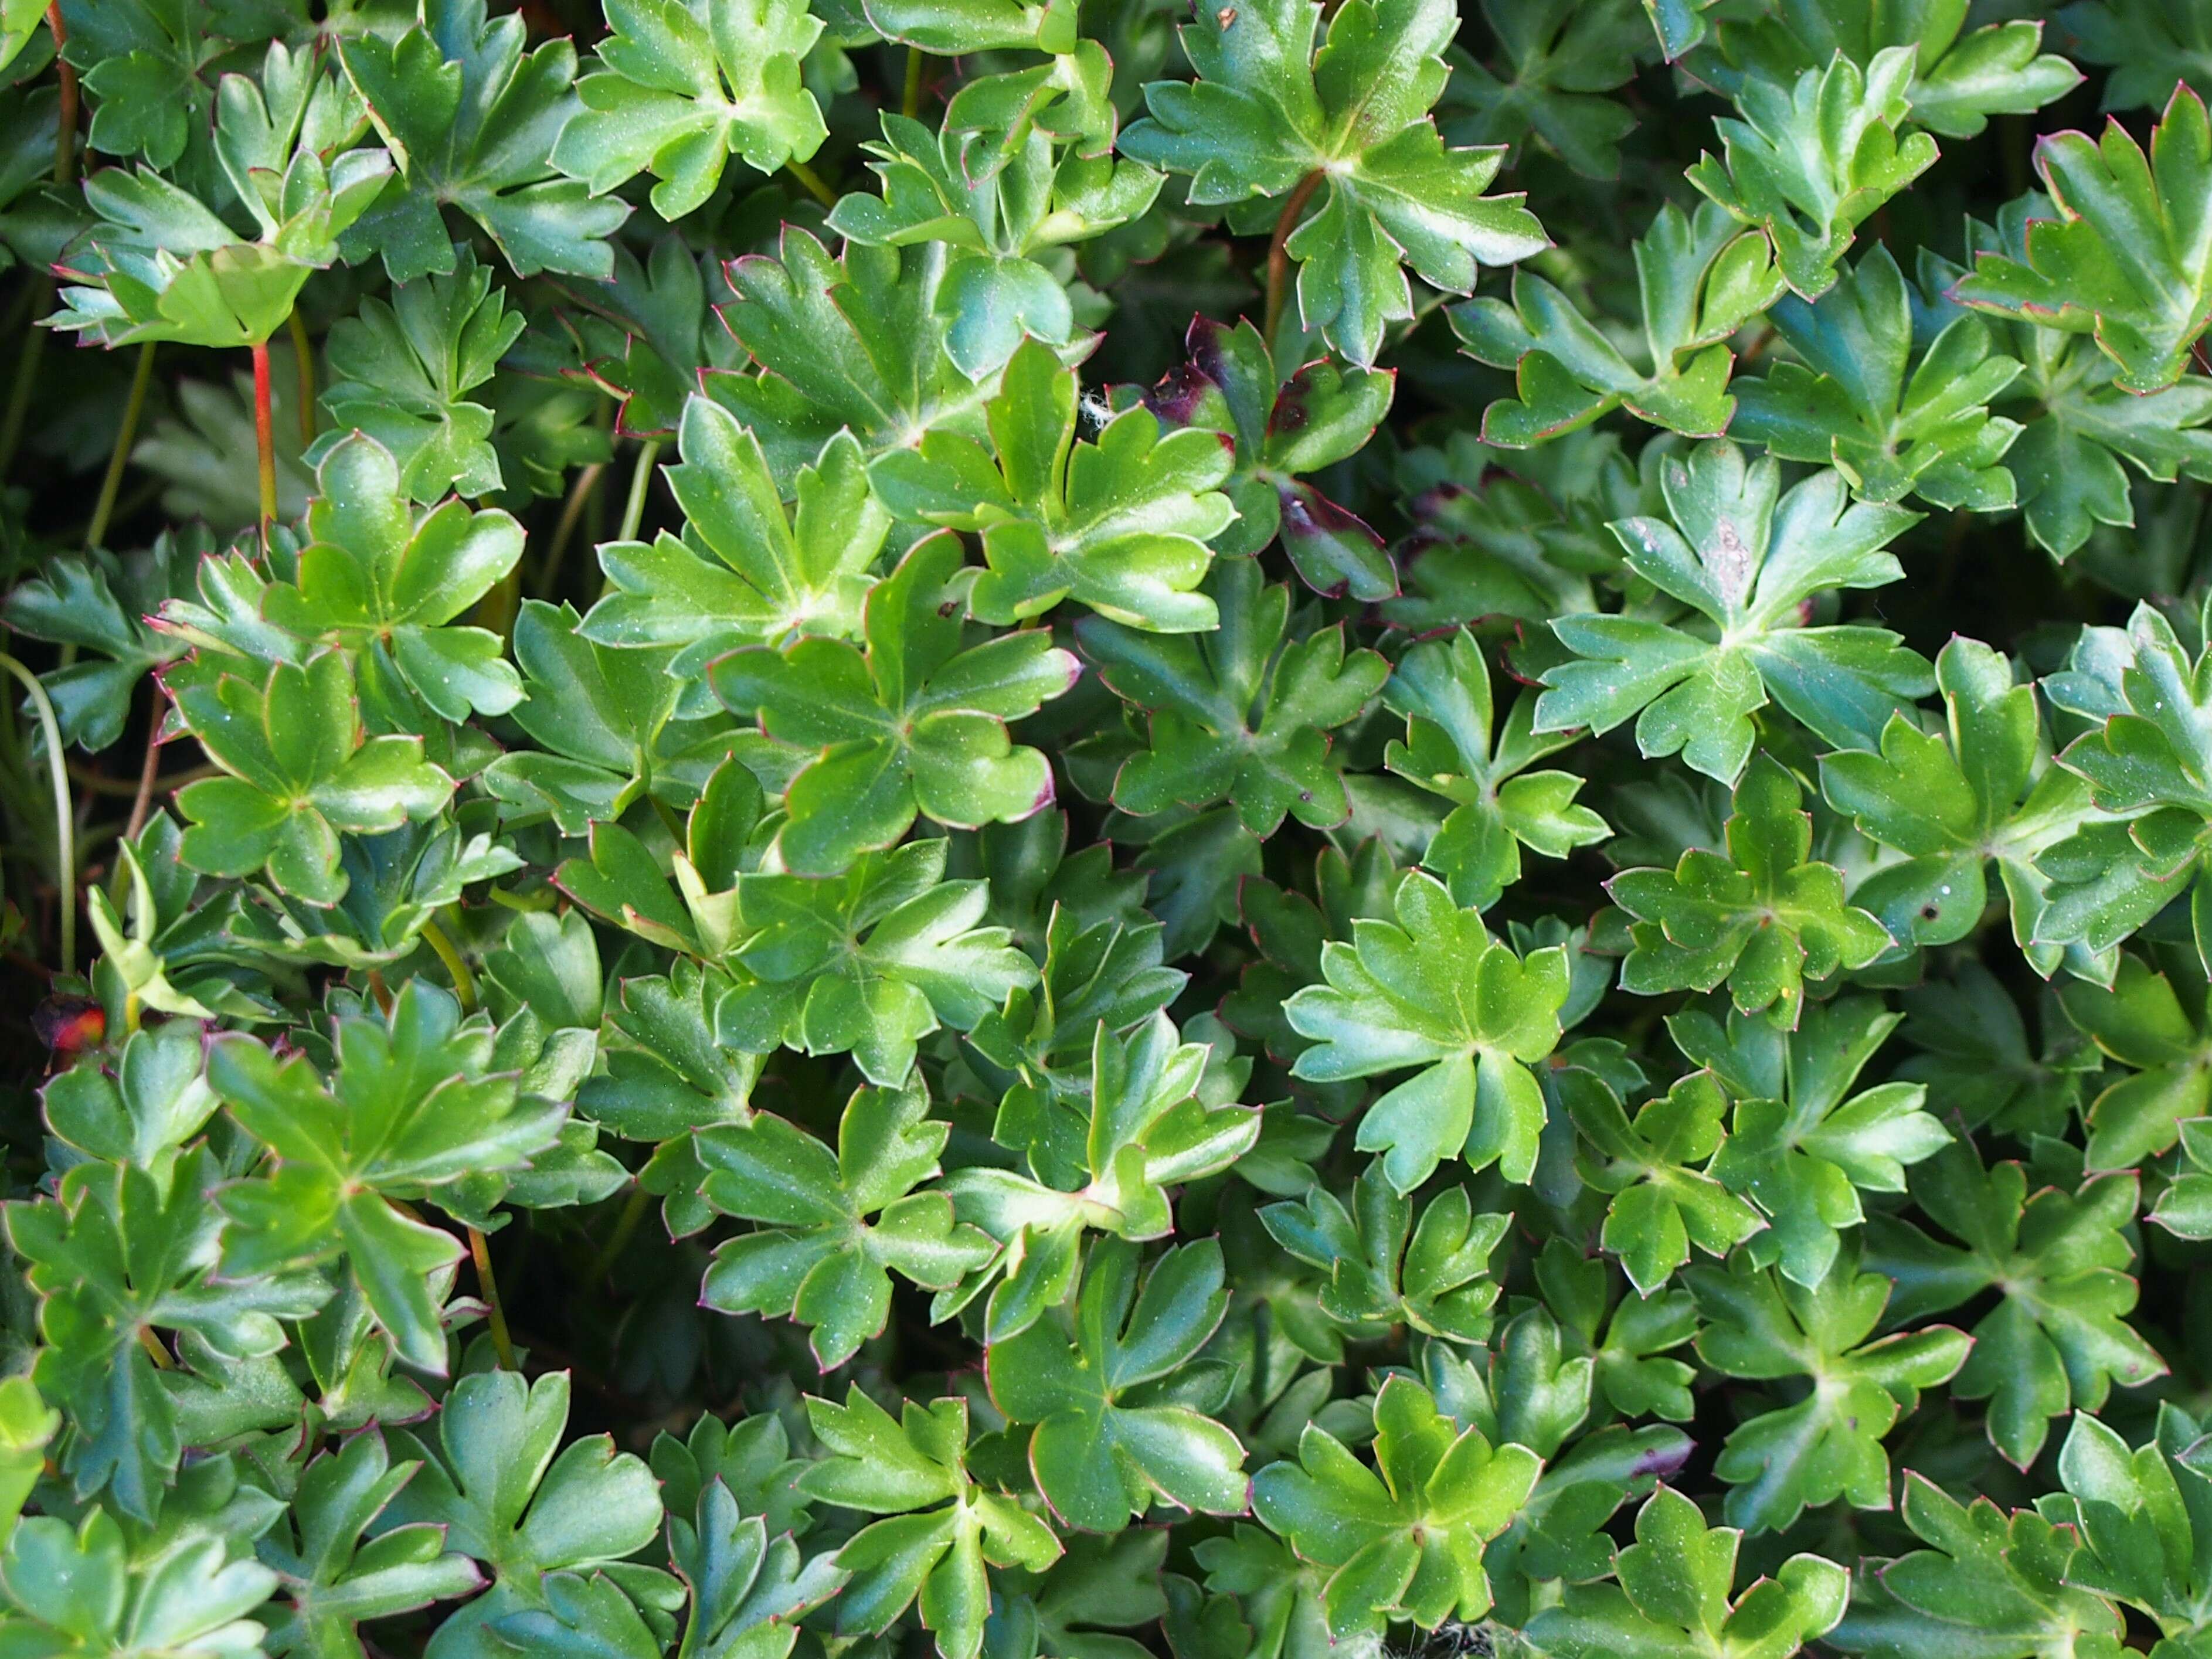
{"x": 1071, "y": 830}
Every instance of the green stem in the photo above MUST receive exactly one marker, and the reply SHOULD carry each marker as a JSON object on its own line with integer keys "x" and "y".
{"x": 815, "y": 185}
{"x": 64, "y": 827}
{"x": 633, "y": 1211}
{"x": 910, "y": 104}
{"x": 641, "y": 480}
{"x": 464, "y": 982}
{"x": 495, "y": 1312}
{"x": 26, "y": 375}
{"x": 66, "y": 111}
{"x": 564, "y": 529}
{"x": 1279, "y": 256}
{"x": 111, "y": 484}
{"x": 303, "y": 352}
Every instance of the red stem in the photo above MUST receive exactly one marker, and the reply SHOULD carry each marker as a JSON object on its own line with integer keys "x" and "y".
{"x": 264, "y": 438}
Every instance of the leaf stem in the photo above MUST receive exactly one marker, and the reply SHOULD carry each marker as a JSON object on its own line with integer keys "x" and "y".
{"x": 303, "y": 351}
{"x": 27, "y": 374}
{"x": 64, "y": 825}
{"x": 66, "y": 111}
{"x": 111, "y": 482}
{"x": 495, "y": 1311}
{"x": 264, "y": 438}
{"x": 150, "y": 767}
{"x": 564, "y": 527}
{"x": 154, "y": 1350}
{"x": 1279, "y": 256}
{"x": 464, "y": 982}
{"x": 910, "y": 102}
{"x": 633, "y": 1211}
{"x": 641, "y": 480}
{"x": 815, "y": 185}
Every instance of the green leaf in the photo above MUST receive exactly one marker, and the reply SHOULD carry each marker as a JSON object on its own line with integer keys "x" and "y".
{"x": 1150, "y": 1121}
{"x": 384, "y": 584}
{"x": 158, "y": 264}
{"x": 472, "y": 117}
{"x": 2142, "y": 1022}
{"x": 1660, "y": 1205}
{"x": 821, "y": 1259}
{"x": 1700, "y": 279}
{"x": 1951, "y": 801}
{"x": 1282, "y": 430}
{"x": 1960, "y": 79}
{"x": 2135, "y": 1513}
{"x": 2059, "y": 1337}
{"x": 678, "y": 88}
{"x": 914, "y": 723}
{"x": 2144, "y": 763}
{"x": 1406, "y": 1539}
{"x": 1765, "y": 917}
{"x": 1850, "y": 403}
{"x": 2148, "y": 47}
{"x": 610, "y": 727}
{"x": 1988, "y": 1584}
{"x": 2122, "y": 262}
{"x": 899, "y": 1467}
{"x": 1443, "y": 689}
{"x": 856, "y": 344}
{"x": 744, "y": 573}
{"x": 1433, "y": 989}
{"x": 1811, "y": 159}
{"x": 1004, "y": 223}
{"x": 1119, "y": 524}
{"x": 871, "y": 961}
{"x": 747, "y": 1591}
{"x": 1112, "y": 1437}
{"x": 1557, "y": 56}
{"x": 1243, "y": 713}
{"x": 1800, "y": 1144}
{"x": 1268, "y": 114}
{"x": 74, "y": 1590}
{"x": 1746, "y": 558}
{"x": 336, "y": 1575}
{"x": 99, "y": 603}
{"x": 1829, "y": 1445}
{"x": 299, "y": 773}
{"x": 1673, "y": 1592}
{"x": 411, "y": 1109}
{"x": 1380, "y": 1267}
{"x": 505, "y": 1499}
{"x": 402, "y": 372}
{"x": 2078, "y": 423}
{"x": 119, "y": 1253}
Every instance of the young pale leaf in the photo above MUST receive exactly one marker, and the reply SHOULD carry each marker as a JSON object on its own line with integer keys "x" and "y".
{"x": 914, "y": 723}
{"x": 2127, "y": 260}
{"x": 1113, "y": 1435}
{"x": 1119, "y": 524}
{"x": 1765, "y": 917}
{"x": 838, "y": 1226}
{"x": 1810, "y": 160}
{"x": 1745, "y": 557}
{"x": 1433, "y": 989}
{"x": 1701, "y": 278}
{"x": 680, "y": 86}
{"x": 1406, "y": 1539}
